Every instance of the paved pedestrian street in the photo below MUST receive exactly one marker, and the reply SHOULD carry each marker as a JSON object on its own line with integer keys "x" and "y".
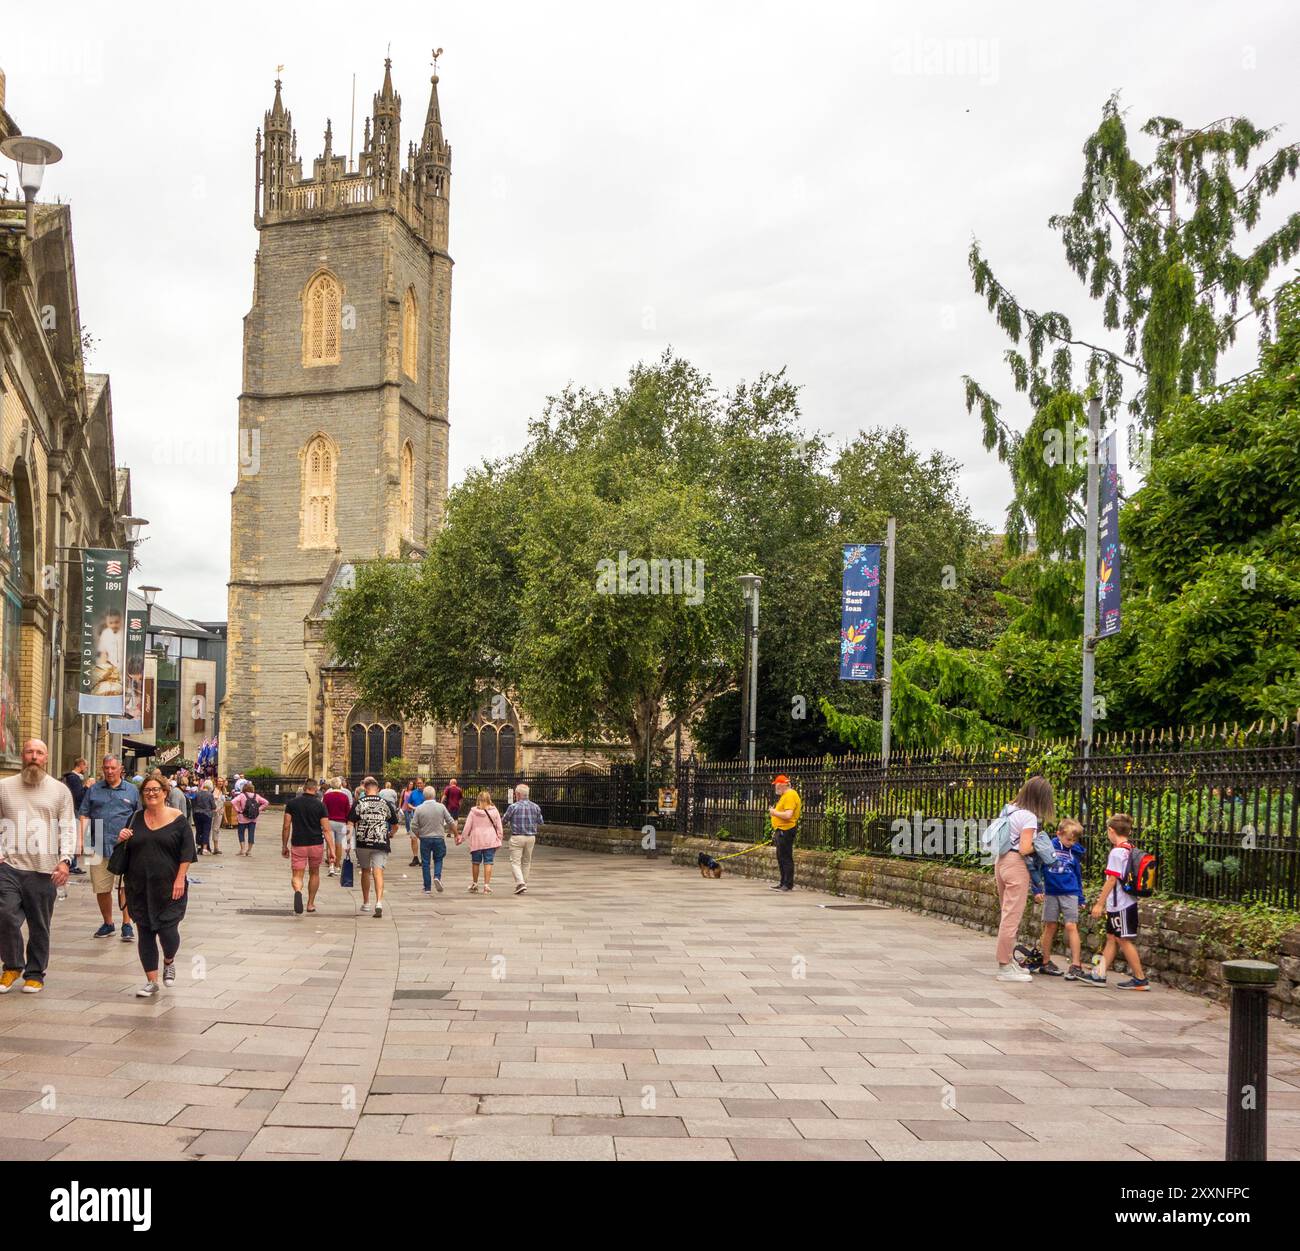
{"x": 623, "y": 1009}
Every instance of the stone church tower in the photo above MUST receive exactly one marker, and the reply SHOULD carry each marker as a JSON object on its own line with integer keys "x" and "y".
{"x": 342, "y": 420}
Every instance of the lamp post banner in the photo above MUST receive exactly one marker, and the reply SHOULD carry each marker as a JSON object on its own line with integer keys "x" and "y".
{"x": 103, "y": 632}
{"x": 149, "y": 705}
{"x": 132, "y": 719}
{"x": 860, "y": 605}
{"x": 1108, "y": 554}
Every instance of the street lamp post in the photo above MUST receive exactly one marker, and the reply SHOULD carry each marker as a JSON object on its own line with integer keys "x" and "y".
{"x": 31, "y": 155}
{"x": 750, "y": 582}
{"x": 150, "y": 594}
{"x": 1090, "y": 579}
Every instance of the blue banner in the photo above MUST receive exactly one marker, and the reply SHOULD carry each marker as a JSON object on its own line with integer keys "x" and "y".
{"x": 1108, "y": 555}
{"x": 861, "y": 600}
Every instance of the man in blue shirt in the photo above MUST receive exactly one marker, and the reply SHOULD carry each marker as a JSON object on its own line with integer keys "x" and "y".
{"x": 524, "y": 819}
{"x": 106, "y": 809}
{"x": 412, "y": 799}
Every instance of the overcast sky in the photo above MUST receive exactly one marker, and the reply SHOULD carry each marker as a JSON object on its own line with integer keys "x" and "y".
{"x": 756, "y": 184}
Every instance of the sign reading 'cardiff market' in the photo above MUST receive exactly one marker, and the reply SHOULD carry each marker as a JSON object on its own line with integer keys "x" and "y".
{"x": 103, "y": 632}
{"x": 861, "y": 600}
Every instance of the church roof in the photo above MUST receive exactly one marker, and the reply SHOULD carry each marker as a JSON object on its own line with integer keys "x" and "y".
{"x": 342, "y": 575}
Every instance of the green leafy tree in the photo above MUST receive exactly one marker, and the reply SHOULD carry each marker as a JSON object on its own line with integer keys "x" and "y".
{"x": 1213, "y": 540}
{"x": 942, "y": 551}
{"x": 1166, "y": 245}
{"x": 515, "y": 594}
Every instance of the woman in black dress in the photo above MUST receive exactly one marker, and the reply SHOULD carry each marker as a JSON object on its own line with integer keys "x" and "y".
{"x": 153, "y": 856}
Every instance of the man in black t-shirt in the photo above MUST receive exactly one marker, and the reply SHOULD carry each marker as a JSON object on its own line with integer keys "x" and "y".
{"x": 75, "y": 781}
{"x": 305, "y": 836}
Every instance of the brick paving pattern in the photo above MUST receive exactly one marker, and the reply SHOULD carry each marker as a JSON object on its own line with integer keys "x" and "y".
{"x": 623, "y": 1009}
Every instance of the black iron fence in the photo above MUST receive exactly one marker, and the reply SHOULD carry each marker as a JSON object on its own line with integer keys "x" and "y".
{"x": 1219, "y": 806}
{"x": 609, "y": 797}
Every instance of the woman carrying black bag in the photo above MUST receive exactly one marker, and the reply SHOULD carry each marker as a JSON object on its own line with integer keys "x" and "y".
{"x": 153, "y": 856}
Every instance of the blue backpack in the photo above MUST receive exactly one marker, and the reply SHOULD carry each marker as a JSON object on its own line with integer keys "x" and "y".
{"x": 997, "y": 839}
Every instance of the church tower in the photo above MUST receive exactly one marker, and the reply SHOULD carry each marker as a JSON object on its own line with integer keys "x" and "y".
{"x": 343, "y": 416}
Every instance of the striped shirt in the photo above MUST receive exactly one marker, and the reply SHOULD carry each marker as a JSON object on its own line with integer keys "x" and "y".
{"x": 523, "y": 817}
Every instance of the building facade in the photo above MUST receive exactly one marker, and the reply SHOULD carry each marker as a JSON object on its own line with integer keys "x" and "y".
{"x": 60, "y": 487}
{"x": 184, "y": 685}
{"x": 343, "y": 415}
{"x": 343, "y": 426}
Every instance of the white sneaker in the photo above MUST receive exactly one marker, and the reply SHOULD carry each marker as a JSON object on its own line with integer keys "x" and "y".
{"x": 437, "y": 884}
{"x": 367, "y": 908}
{"x": 379, "y": 908}
{"x": 147, "y": 991}
{"x": 1014, "y": 973}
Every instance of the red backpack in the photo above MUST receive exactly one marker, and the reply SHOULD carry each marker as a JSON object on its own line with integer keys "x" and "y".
{"x": 1139, "y": 878}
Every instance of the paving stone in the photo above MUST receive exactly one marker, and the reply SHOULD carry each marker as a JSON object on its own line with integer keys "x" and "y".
{"x": 619, "y": 985}
{"x": 295, "y": 1142}
{"x": 789, "y": 1149}
{"x": 673, "y": 1149}
{"x": 30, "y": 1148}
{"x": 220, "y": 1142}
{"x": 555, "y": 1147}
{"x": 776, "y": 1107}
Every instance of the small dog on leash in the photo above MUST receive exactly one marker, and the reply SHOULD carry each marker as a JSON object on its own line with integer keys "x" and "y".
{"x": 709, "y": 867}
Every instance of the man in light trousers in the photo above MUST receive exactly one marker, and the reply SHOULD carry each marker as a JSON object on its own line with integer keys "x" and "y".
{"x": 524, "y": 819}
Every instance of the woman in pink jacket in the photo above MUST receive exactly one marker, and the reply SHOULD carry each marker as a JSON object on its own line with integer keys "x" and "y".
{"x": 483, "y": 829}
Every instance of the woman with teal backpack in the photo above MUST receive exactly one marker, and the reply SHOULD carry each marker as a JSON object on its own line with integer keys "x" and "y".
{"x": 1027, "y": 815}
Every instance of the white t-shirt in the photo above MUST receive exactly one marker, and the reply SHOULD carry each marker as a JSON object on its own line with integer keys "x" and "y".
{"x": 1020, "y": 820}
{"x": 1116, "y": 865}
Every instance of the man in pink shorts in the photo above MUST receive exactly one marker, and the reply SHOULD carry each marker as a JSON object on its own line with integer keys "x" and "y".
{"x": 305, "y": 836}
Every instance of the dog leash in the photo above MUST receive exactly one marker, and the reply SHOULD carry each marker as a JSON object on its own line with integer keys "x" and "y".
{"x": 746, "y": 852}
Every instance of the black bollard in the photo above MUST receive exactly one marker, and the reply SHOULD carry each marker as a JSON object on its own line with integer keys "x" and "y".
{"x": 1250, "y": 982}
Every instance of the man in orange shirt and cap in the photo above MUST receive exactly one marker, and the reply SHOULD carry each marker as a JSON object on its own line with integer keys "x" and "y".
{"x": 785, "y": 829}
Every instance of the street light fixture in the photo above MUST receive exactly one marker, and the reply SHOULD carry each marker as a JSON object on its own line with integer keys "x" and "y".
{"x": 133, "y": 527}
{"x": 31, "y": 155}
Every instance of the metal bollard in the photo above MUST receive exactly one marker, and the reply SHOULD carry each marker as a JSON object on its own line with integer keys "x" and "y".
{"x": 1250, "y": 982}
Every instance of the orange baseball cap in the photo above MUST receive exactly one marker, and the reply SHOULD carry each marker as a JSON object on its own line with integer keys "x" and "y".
{"x": 782, "y": 780}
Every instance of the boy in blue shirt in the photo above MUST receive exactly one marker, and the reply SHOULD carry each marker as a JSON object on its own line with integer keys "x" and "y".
{"x": 1063, "y": 886}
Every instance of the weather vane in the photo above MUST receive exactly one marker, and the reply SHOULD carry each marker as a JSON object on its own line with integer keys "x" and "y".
{"x": 437, "y": 52}
{"x": 279, "y": 69}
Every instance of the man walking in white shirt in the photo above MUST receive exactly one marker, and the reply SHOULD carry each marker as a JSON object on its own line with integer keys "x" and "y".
{"x": 38, "y": 838}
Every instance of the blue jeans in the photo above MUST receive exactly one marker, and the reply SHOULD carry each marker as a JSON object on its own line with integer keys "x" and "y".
{"x": 437, "y": 848}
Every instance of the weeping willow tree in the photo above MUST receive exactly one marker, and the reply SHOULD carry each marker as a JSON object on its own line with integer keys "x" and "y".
{"x": 1170, "y": 248}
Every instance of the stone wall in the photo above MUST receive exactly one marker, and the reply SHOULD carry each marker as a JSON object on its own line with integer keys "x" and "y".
{"x": 611, "y": 842}
{"x": 1176, "y": 941}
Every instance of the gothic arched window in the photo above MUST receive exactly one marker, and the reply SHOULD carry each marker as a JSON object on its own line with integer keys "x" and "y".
{"x": 410, "y": 335}
{"x": 319, "y": 514}
{"x": 372, "y": 742}
{"x": 408, "y": 490}
{"x": 322, "y": 317}
{"x": 490, "y": 744}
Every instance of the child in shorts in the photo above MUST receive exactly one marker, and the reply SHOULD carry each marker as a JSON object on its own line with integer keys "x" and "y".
{"x": 1121, "y": 910}
{"x": 1063, "y": 889}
